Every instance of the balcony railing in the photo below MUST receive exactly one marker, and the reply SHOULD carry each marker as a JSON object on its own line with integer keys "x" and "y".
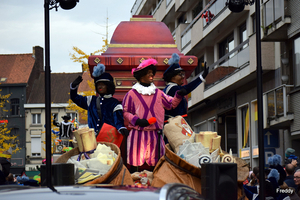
{"x": 272, "y": 12}
{"x": 186, "y": 39}
{"x": 157, "y": 7}
{"x": 277, "y": 102}
{"x": 215, "y": 9}
{"x": 186, "y": 34}
{"x": 168, "y": 2}
{"x": 136, "y": 6}
{"x": 228, "y": 64}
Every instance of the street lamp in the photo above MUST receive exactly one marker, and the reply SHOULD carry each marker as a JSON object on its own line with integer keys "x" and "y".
{"x": 238, "y": 6}
{"x": 48, "y": 5}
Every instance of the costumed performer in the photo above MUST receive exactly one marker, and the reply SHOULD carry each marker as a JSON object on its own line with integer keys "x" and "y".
{"x": 103, "y": 111}
{"x": 141, "y": 103}
{"x": 174, "y": 76}
{"x": 65, "y": 130}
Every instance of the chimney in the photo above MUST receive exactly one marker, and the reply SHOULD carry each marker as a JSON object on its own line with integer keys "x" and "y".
{"x": 38, "y": 54}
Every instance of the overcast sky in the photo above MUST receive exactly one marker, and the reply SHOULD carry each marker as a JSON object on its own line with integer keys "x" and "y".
{"x": 22, "y": 27}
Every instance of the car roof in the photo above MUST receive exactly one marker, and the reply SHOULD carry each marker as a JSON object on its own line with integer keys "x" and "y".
{"x": 169, "y": 191}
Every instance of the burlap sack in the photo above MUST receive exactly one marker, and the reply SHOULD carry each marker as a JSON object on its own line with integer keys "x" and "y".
{"x": 113, "y": 176}
{"x": 173, "y": 169}
{"x": 142, "y": 178}
{"x": 177, "y": 130}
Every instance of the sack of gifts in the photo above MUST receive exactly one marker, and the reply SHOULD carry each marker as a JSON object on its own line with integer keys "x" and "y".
{"x": 116, "y": 172}
{"x": 177, "y": 131}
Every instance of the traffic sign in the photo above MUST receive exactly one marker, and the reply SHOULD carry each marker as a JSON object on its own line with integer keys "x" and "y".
{"x": 271, "y": 138}
{"x": 269, "y": 153}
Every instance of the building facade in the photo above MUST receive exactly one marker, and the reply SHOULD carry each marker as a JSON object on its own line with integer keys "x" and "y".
{"x": 227, "y": 102}
{"x": 18, "y": 72}
{"x": 35, "y": 115}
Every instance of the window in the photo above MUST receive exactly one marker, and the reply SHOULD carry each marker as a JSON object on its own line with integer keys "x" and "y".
{"x": 182, "y": 19}
{"x": 36, "y": 118}
{"x": 212, "y": 124}
{"x": 207, "y": 125}
{"x": 231, "y": 134}
{"x": 15, "y": 107}
{"x": 19, "y": 142}
{"x": 36, "y": 145}
{"x": 202, "y": 126}
{"x": 197, "y": 9}
{"x": 245, "y": 126}
{"x": 226, "y": 46}
{"x": 2, "y": 107}
{"x": 297, "y": 61}
{"x": 72, "y": 115}
{"x": 243, "y": 35}
{"x": 254, "y": 124}
{"x": 199, "y": 67}
{"x": 168, "y": 2}
{"x": 254, "y": 23}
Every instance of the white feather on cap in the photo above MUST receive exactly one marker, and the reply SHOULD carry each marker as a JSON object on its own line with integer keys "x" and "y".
{"x": 98, "y": 70}
{"x": 174, "y": 60}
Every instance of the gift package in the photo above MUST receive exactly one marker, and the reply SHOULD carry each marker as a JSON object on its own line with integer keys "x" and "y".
{"x": 195, "y": 148}
{"x": 94, "y": 159}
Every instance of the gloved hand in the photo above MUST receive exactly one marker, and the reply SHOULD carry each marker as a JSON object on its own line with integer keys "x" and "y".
{"x": 124, "y": 132}
{"x": 142, "y": 122}
{"x": 205, "y": 72}
{"x": 77, "y": 81}
{"x": 182, "y": 92}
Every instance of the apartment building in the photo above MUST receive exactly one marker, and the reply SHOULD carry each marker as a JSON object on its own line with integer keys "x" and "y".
{"x": 227, "y": 102}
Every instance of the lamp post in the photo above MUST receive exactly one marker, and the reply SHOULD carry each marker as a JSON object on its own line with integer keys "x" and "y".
{"x": 238, "y": 6}
{"x": 48, "y": 5}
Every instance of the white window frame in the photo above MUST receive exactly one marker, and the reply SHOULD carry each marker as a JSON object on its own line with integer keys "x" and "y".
{"x": 72, "y": 115}
{"x": 36, "y": 118}
{"x": 198, "y": 125}
{"x": 36, "y": 145}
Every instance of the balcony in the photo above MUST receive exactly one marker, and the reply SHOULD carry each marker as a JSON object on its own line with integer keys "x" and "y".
{"x": 216, "y": 8}
{"x": 275, "y": 20}
{"x": 205, "y": 35}
{"x": 276, "y": 108}
{"x": 236, "y": 59}
{"x": 184, "y": 6}
{"x": 136, "y": 6}
{"x": 143, "y": 7}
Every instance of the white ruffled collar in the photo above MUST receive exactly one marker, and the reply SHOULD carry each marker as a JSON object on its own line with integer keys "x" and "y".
{"x": 66, "y": 123}
{"x": 144, "y": 90}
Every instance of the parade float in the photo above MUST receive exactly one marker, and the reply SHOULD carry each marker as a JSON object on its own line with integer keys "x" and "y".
{"x": 132, "y": 42}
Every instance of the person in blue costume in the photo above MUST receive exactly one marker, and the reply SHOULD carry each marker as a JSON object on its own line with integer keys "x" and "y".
{"x": 272, "y": 189}
{"x": 275, "y": 163}
{"x": 111, "y": 111}
{"x": 174, "y": 76}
